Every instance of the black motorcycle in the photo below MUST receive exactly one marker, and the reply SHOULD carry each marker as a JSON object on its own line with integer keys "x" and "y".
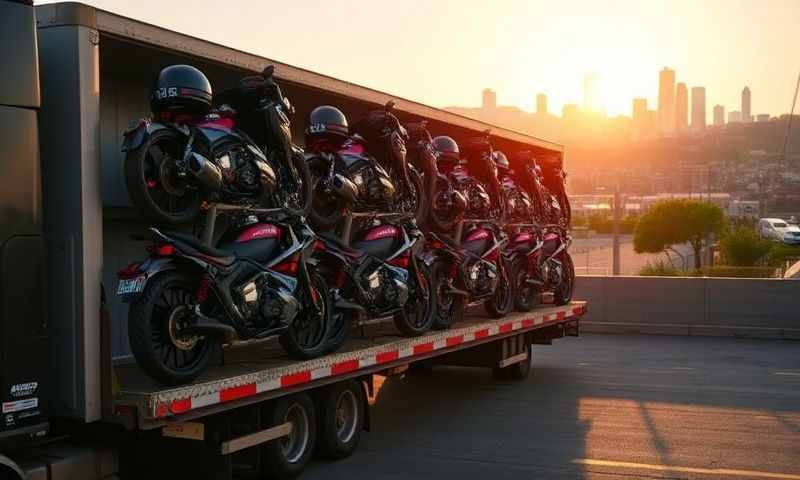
{"x": 367, "y": 173}
{"x": 187, "y": 298}
{"x": 380, "y": 275}
{"x": 240, "y": 152}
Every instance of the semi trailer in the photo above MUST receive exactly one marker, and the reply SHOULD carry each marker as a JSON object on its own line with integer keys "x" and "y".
{"x": 74, "y": 404}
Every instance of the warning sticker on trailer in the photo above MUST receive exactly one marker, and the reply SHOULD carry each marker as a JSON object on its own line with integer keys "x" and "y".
{"x": 20, "y": 405}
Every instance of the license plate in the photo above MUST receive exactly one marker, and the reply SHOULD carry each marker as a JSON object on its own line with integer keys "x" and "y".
{"x": 131, "y": 285}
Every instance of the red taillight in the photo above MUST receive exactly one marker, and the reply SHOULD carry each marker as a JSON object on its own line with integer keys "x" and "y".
{"x": 164, "y": 250}
{"x": 401, "y": 261}
{"x": 202, "y": 288}
{"x": 436, "y": 244}
{"x": 287, "y": 267}
{"x": 130, "y": 271}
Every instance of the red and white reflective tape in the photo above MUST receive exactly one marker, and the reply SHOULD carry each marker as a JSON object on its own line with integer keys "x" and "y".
{"x": 237, "y": 388}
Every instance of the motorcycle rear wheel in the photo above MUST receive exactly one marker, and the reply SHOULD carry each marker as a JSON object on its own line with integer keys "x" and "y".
{"x": 153, "y": 184}
{"x": 449, "y": 307}
{"x": 325, "y": 209}
{"x": 307, "y": 336}
{"x": 155, "y": 319}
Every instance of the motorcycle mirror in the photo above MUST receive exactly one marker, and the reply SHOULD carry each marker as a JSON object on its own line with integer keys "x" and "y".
{"x": 268, "y": 71}
{"x": 389, "y": 106}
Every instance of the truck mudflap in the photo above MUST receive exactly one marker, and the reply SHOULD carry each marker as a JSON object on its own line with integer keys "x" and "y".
{"x": 155, "y": 407}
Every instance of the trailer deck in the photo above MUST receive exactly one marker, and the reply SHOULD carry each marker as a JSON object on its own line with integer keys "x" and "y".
{"x": 248, "y": 375}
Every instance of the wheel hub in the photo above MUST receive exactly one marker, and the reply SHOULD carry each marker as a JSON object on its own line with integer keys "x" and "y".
{"x": 346, "y": 412}
{"x": 294, "y": 445}
{"x": 179, "y": 320}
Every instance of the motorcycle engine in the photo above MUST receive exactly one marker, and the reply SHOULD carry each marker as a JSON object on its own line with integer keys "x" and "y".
{"x": 239, "y": 169}
{"x": 264, "y": 305}
{"x": 386, "y": 287}
{"x": 551, "y": 271}
{"x": 374, "y": 185}
{"x": 481, "y": 277}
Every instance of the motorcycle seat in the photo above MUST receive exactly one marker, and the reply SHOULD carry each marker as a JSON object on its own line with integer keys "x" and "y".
{"x": 218, "y": 255}
{"x": 351, "y": 252}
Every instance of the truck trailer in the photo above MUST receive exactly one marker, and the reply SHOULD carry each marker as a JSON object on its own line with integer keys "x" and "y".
{"x": 74, "y": 404}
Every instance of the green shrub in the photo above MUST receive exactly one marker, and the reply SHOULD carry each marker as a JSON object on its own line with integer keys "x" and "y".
{"x": 743, "y": 247}
{"x": 660, "y": 268}
{"x": 781, "y": 253}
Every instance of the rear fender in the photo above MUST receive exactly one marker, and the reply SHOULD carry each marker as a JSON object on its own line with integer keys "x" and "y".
{"x": 135, "y": 136}
{"x": 150, "y": 267}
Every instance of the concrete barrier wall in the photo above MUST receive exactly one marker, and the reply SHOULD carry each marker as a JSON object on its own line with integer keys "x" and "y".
{"x": 759, "y": 308}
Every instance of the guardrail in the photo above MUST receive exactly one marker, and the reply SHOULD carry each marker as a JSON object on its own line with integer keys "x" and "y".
{"x": 754, "y": 308}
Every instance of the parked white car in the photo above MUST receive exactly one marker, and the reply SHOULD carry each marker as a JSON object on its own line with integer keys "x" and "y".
{"x": 779, "y": 231}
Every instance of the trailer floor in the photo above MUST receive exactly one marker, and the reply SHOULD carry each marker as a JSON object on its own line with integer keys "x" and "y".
{"x": 598, "y": 407}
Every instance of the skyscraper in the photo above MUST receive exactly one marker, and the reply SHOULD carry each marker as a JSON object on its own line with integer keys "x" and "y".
{"x": 681, "y": 108}
{"x": 734, "y": 116}
{"x": 698, "y": 109}
{"x": 640, "y": 118}
{"x": 746, "y": 116}
{"x": 719, "y": 115}
{"x": 666, "y": 100}
{"x": 570, "y": 112}
{"x": 489, "y": 99}
{"x": 541, "y": 104}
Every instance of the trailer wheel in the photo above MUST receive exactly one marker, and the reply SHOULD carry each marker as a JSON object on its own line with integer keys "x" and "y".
{"x": 518, "y": 371}
{"x": 341, "y": 419}
{"x": 286, "y": 457}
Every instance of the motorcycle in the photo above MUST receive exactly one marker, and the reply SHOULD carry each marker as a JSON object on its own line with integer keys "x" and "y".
{"x": 380, "y": 275}
{"x": 540, "y": 263}
{"x": 187, "y": 297}
{"x": 240, "y": 152}
{"x": 368, "y": 173}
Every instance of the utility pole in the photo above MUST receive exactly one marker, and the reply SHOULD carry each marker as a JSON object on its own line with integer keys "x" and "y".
{"x": 615, "y": 270}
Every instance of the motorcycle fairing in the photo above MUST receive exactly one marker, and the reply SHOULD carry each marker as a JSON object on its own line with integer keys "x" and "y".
{"x": 135, "y": 136}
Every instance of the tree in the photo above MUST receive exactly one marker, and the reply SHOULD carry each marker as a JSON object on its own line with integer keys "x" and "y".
{"x": 673, "y": 222}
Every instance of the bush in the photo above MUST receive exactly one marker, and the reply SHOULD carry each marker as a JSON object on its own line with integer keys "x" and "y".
{"x": 781, "y": 253}
{"x": 743, "y": 247}
{"x": 660, "y": 268}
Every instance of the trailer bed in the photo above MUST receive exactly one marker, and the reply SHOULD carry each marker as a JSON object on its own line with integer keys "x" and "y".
{"x": 254, "y": 373}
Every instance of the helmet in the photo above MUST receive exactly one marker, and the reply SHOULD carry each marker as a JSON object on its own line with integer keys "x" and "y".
{"x": 500, "y": 160}
{"x": 327, "y": 127}
{"x": 447, "y": 148}
{"x": 181, "y": 89}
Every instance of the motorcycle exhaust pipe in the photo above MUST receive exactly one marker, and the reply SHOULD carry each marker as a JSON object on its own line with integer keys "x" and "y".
{"x": 344, "y": 187}
{"x": 208, "y": 174}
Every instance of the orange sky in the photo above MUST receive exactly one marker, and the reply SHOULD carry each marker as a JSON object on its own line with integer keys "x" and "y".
{"x": 445, "y": 52}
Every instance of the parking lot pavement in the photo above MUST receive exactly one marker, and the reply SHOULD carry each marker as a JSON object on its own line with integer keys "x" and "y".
{"x": 594, "y": 407}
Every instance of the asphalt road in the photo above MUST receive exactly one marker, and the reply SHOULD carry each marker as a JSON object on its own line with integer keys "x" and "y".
{"x": 595, "y": 407}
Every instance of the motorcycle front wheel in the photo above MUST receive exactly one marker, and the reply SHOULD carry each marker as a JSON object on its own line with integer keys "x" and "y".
{"x": 449, "y": 307}
{"x": 297, "y": 186}
{"x": 156, "y": 321}
{"x": 419, "y": 198}
{"x": 501, "y": 301}
{"x": 153, "y": 183}
{"x": 308, "y": 334}
{"x": 562, "y": 294}
{"x": 420, "y": 309}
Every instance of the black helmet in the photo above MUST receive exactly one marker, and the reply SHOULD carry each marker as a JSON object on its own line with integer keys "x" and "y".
{"x": 500, "y": 160}
{"x": 447, "y": 148}
{"x": 181, "y": 89}
{"x": 327, "y": 125}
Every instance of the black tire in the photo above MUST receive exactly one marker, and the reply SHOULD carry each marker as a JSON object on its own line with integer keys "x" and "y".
{"x": 326, "y": 210}
{"x": 308, "y": 334}
{"x": 562, "y": 294}
{"x": 421, "y": 198}
{"x": 300, "y": 202}
{"x": 524, "y": 295}
{"x": 152, "y": 184}
{"x": 287, "y": 457}
{"x": 501, "y": 301}
{"x": 441, "y": 221}
{"x": 341, "y": 419}
{"x": 160, "y": 305}
{"x": 341, "y": 323}
{"x": 449, "y": 307}
{"x": 420, "y": 309}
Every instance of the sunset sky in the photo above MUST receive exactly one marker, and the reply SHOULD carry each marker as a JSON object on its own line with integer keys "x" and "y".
{"x": 444, "y": 53}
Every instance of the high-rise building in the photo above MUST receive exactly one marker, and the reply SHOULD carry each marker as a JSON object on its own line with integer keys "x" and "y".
{"x": 734, "y": 116}
{"x": 666, "y": 100}
{"x": 698, "y": 108}
{"x": 640, "y": 118}
{"x": 762, "y": 117}
{"x": 489, "y": 99}
{"x": 719, "y": 115}
{"x": 746, "y": 115}
{"x": 570, "y": 112}
{"x": 681, "y": 107}
{"x": 541, "y": 104}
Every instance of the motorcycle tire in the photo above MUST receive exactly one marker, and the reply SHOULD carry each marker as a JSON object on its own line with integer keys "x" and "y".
{"x": 325, "y": 210}
{"x": 420, "y": 208}
{"x": 341, "y": 322}
{"x": 449, "y": 307}
{"x": 302, "y": 340}
{"x": 562, "y": 294}
{"x": 152, "y": 332}
{"x": 524, "y": 295}
{"x": 153, "y": 185}
{"x": 306, "y": 186}
{"x": 501, "y": 301}
{"x": 419, "y": 311}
